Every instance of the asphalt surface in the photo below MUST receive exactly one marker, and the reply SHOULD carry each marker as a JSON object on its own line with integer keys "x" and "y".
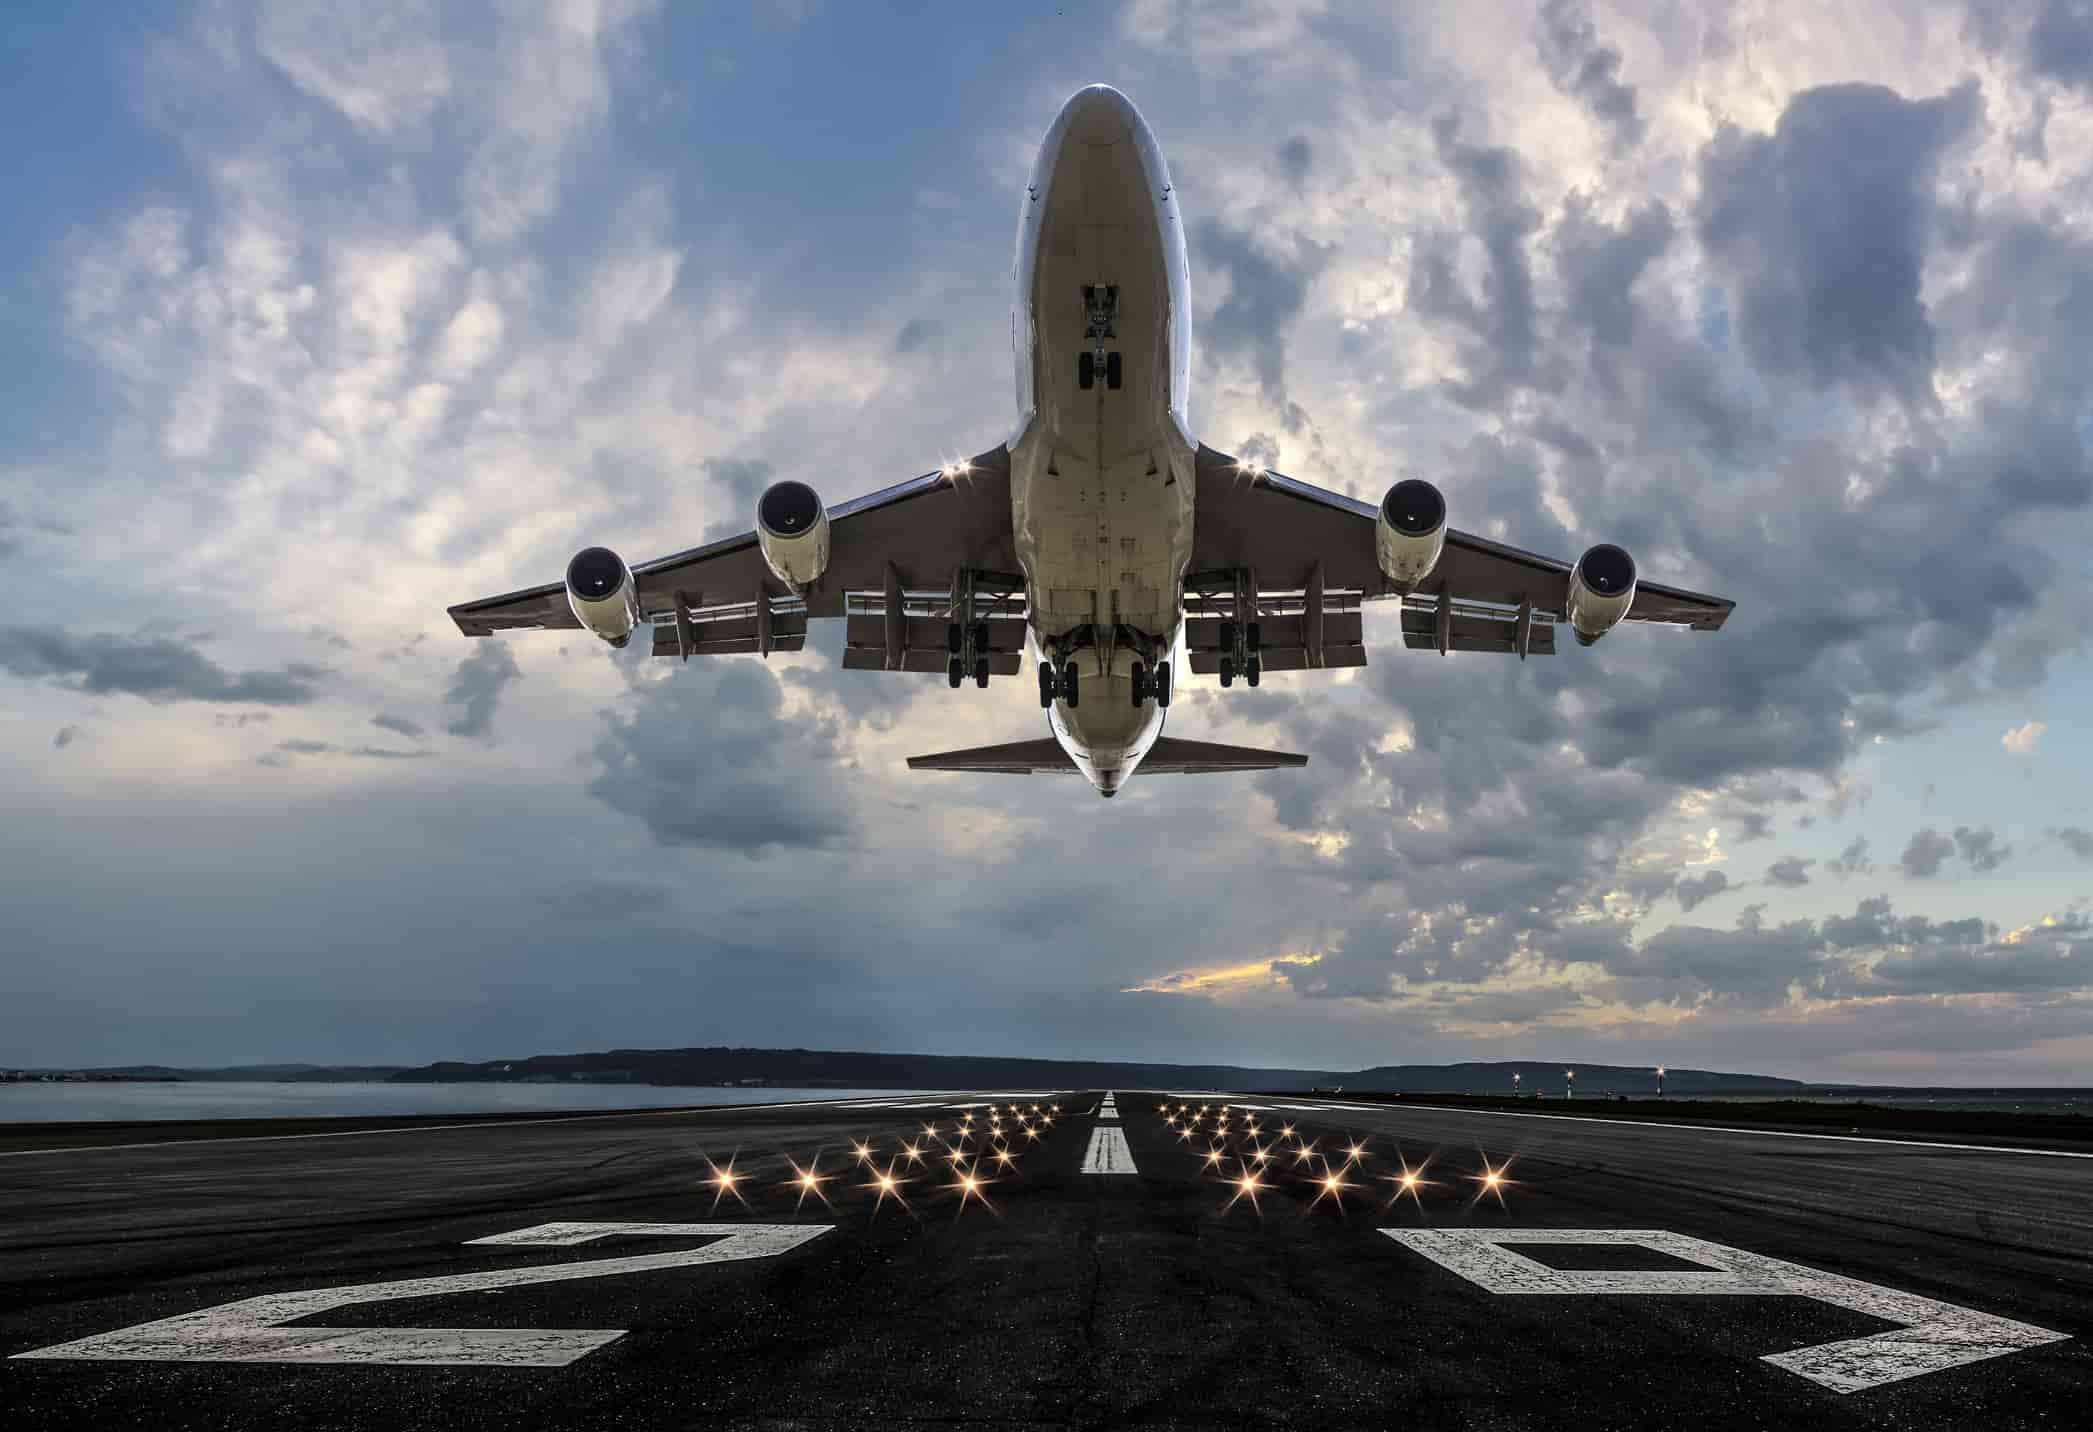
{"x": 1047, "y": 1296}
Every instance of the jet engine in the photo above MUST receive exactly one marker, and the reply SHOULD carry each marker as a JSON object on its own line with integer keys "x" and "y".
{"x": 1602, "y": 588}
{"x": 792, "y": 527}
{"x": 600, "y": 590}
{"x": 1410, "y": 532}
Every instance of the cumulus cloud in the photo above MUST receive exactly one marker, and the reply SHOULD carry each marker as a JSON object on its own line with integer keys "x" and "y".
{"x": 1852, "y": 861}
{"x": 158, "y": 669}
{"x": 1926, "y": 853}
{"x": 707, "y": 757}
{"x": 2021, "y": 739}
{"x": 1822, "y": 226}
{"x": 1789, "y": 872}
{"x": 398, "y": 725}
{"x": 1695, "y": 890}
{"x": 476, "y": 688}
{"x": 1588, "y": 71}
{"x": 1980, "y": 848}
{"x": 2074, "y": 838}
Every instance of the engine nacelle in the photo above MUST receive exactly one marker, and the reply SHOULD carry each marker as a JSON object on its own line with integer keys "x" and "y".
{"x": 600, "y": 591}
{"x": 1602, "y": 588}
{"x": 792, "y": 527}
{"x": 1410, "y": 532}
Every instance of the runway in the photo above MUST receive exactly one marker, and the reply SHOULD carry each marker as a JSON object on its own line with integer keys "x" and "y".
{"x": 1115, "y": 1270}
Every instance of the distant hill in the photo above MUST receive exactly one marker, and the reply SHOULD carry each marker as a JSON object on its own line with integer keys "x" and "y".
{"x": 258, "y": 1073}
{"x": 818, "y": 1068}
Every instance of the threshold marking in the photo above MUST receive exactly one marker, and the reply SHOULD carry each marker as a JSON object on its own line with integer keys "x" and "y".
{"x": 1930, "y": 1335}
{"x": 1108, "y": 1152}
{"x": 251, "y": 1330}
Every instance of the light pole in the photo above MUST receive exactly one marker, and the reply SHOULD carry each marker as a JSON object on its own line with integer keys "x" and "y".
{"x": 1569, "y": 1083}
{"x": 1660, "y": 1081}
{"x": 1515, "y": 1085}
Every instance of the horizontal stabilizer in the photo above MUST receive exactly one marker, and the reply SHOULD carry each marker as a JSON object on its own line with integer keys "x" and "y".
{"x": 1043, "y": 757}
{"x": 1167, "y": 757}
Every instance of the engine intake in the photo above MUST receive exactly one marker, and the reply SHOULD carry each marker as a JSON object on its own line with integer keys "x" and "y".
{"x": 792, "y": 529}
{"x": 600, "y": 591}
{"x": 1410, "y": 532}
{"x": 1602, "y": 588}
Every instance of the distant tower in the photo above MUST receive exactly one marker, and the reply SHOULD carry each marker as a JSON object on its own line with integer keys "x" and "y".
{"x": 1660, "y": 1081}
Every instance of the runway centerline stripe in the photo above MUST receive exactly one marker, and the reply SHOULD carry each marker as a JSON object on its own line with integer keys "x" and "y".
{"x": 1757, "y": 1133}
{"x": 1108, "y": 1152}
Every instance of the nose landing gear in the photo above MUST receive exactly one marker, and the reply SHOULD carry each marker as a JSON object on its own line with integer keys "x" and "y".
{"x": 1100, "y": 309}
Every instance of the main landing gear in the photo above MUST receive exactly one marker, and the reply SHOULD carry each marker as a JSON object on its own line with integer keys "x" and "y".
{"x": 1241, "y": 657}
{"x": 956, "y": 668}
{"x": 1152, "y": 683}
{"x": 1064, "y": 680}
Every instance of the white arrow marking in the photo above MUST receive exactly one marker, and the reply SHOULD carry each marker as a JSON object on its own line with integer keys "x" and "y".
{"x": 1929, "y": 1336}
{"x": 1108, "y": 1153}
{"x": 251, "y": 1330}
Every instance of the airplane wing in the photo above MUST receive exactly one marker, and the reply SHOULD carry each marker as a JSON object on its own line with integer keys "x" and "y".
{"x": 1283, "y": 530}
{"x": 1167, "y": 757}
{"x": 899, "y": 547}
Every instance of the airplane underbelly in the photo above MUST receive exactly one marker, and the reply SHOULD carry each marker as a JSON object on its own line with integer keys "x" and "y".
{"x": 1101, "y": 481}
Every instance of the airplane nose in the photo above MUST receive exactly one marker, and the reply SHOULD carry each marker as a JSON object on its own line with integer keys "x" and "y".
{"x": 1099, "y": 114}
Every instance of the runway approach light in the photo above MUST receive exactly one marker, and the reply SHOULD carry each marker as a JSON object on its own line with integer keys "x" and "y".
{"x": 863, "y": 1151}
{"x": 1356, "y": 1152}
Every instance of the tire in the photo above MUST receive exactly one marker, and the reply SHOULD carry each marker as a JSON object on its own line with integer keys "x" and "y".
{"x": 1227, "y": 641}
{"x": 1253, "y": 638}
{"x": 981, "y": 671}
{"x": 1112, "y": 371}
{"x": 1228, "y": 671}
{"x": 1047, "y": 685}
{"x": 1086, "y": 371}
{"x": 1140, "y": 689}
{"x": 1162, "y": 684}
{"x": 952, "y": 639}
{"x": 1071, "y": 684}
{"x": 952, "y": 673}
{"x": 1252, "y": 669}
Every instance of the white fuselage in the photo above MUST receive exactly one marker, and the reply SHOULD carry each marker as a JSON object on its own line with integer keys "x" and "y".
{"x": 1101, "y": 478}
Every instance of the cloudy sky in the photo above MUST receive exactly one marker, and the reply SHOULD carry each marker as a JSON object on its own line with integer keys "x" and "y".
{"x": 322, "y": 317}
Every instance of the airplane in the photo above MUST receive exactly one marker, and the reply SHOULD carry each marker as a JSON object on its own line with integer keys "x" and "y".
{"x": 1101, "y": 538}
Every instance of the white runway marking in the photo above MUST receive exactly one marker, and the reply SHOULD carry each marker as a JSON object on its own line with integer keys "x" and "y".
{"x": 1929, "y": 1335}
{"x": 1108, "y": 1152}
{"x": 250, "y": 1331}
{"x": 1759, "y": 1133}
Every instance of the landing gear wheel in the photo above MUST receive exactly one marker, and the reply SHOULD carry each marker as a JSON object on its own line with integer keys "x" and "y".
{"x": 1227, "y": 671}
{"x": 1227, "y": 642}
{"x": 1251, "y": 638}
{"x": 952, "y": 639}
{"x": 981, "y": 671}
{"x": 1071, "y": 684}
{"x": 953, "y": 675}
{"x": 1252, "y": 669}
{"x": 1086, "y": 371}
{"x": 1142, "y": 684}
{"x": 1161, "y": 684}
{"x": 1112, "y": 371}
{"x": 1047, "y": 684}
{"x": 981, "y": 636}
